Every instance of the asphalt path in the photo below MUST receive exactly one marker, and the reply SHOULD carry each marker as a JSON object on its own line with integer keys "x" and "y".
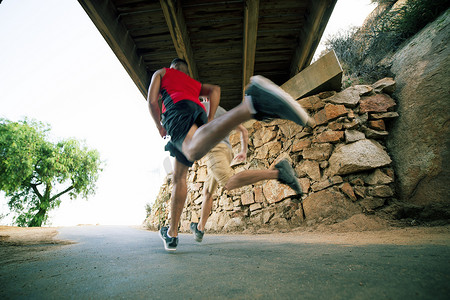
{"x": 118, "y": 262}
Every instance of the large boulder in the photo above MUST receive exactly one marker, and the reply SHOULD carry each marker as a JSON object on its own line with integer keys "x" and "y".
{"x": 420, "y": 137}
{"x": 358, "y": 156}
{"x": 275, "y": 191}
{"x": 329, "y": 204}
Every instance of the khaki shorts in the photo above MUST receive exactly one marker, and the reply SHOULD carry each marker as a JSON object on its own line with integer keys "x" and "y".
{"x": 218, "y": 162}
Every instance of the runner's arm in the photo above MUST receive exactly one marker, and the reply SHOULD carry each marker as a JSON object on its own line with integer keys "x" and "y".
{"x": 152, "y": 99}
{"x": 213, "y": 93}
{"x": 242, "y": 156}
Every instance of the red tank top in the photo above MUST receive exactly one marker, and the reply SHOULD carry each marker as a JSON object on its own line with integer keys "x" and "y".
{"x": 177, "y": 86}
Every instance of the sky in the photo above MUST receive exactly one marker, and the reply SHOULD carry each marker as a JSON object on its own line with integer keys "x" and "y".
{"x": 56, "y": 67}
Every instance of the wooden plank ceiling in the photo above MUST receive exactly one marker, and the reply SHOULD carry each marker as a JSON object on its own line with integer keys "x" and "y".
{"x": 224, "y": 42}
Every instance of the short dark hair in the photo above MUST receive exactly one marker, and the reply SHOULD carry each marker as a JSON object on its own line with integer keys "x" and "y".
{"x": 179, "y": 61}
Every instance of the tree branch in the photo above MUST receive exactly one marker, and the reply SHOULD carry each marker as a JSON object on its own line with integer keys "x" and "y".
{"x": 36, "y": 191}
{"x": 63, "y": 192}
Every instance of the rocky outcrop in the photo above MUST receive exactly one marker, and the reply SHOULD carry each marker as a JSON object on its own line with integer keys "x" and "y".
{"x": 420, "y": 138}
{"x": 342, "y": 164}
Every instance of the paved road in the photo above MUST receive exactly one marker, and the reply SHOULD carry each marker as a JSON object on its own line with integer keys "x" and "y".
{"x": 129, "y": 263}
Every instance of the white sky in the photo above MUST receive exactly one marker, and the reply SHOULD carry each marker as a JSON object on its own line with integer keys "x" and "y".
{"x": 56, "y": 67}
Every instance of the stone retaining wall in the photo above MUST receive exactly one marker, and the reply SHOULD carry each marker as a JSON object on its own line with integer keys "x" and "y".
{"x": 342, "y": 164}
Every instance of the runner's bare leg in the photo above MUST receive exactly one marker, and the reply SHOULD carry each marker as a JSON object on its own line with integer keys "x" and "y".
{"x": 238, "y": 180}
{"x": 248, "y": 177}
{"x": 200, "y": 140}
{"x": 179, "y": 194}
{"x": 206, "y": 209}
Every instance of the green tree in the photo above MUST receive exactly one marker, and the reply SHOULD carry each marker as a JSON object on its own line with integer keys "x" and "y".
{"x": 35, "y": 172}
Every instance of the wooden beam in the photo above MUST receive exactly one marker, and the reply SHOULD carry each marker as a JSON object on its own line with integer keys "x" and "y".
{"x": 323, "y": 75}
{"x": 178, "y": 30}
{"x": 311, "y": 34}
{"x": 116, "y": 35}
{"x": 251, "y": 14}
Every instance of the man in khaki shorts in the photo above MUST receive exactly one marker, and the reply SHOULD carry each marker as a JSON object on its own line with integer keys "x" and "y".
{"x": 218, "y": 162}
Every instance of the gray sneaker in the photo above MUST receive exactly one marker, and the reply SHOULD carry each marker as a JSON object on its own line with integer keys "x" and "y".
{"x": 271, "y": 102}
{"x": 170, "y": 243}
{"x": 198, "y": 235}
{"x": 287, "y": 176}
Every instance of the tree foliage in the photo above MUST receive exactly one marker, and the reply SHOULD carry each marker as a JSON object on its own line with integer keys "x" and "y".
{"x": 35, "y": 172}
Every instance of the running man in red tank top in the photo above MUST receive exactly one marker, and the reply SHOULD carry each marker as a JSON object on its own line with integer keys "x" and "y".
{"x": 193, "y": 133}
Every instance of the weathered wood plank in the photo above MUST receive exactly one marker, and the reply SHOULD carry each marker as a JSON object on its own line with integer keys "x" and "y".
{"x": 116, "y": 35}
{"x": 251, "y": 11}
{"x": 324, "y": 74}
{"x": 178, "y": 31}
{"x": 311, "y": 33}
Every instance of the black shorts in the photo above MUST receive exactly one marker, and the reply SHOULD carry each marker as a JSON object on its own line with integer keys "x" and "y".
{"x": 178, "y": 121}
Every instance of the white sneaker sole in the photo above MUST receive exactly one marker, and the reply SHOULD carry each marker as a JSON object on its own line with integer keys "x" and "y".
{"x": 164, "y": 241}
{"x": 278, "y": 92}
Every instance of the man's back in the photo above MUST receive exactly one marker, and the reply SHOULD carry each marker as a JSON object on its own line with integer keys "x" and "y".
{"x": 177, "y": 86}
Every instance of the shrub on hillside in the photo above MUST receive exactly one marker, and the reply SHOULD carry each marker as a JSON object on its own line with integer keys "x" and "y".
{"x": 361, "y": 50}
